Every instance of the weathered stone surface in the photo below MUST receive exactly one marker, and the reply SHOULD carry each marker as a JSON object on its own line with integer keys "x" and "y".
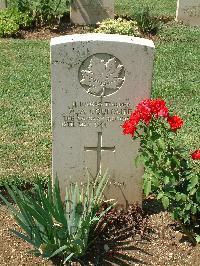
{"x": 2, "y": 4}
{"x": 97, "y": 79}
{"x": 188, "y": 11}
{"x": 89, "y": 12}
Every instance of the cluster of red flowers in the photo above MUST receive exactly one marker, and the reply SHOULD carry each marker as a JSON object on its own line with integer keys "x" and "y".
{"x": 144, "y": 112}
{"x": 196, "y": 155}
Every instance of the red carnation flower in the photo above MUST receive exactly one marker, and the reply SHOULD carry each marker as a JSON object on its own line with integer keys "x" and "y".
{"x": 135, "y": 117}
{"x": 128, "y": 128}
{"x": 175, "y": 122}
{"x": 159, "y": 108}
{"x": 144, "y": 109}
{"x": 196, "y": 155}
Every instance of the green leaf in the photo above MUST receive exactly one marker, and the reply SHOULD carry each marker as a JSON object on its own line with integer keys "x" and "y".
{"x": 193, "y": 191}
{"x": 9, "y": 205}
{"x": 22, "y": 236}
{"x": 155, "y": 135}
{"x": 176, "y": 214}
{"x": 160, "y": 195}
{"x": 139, "y": 160}
{"x": 58, "y": 251}
{"x": 105, "y": 211}
{"x": 161, "y": 143}
{"x": 23, "y": 215}
{"x": 147, "y": 187}
{"x": 37, "y": 216}
{"x": 165, "y": 202}
{"x": 197, "y": 238}
{"x": 175, "y": 161}
{"x": 46, "y": 202}
{"x": 100, "y": 188}
{"x": 47, "y": 249}
{"x": 194, "y": 209}
{"x": 68, "y": 258}
{"x": 183, "y": 197}
{"x": 188, "y": 206}
{"x": 194, "y": 181}
{"x": 166, "y": 179}
{"x": 178, "y": 196}
{"x": 59, "y": 212}
{"x": 72, "y": 223}
{"x": 26, "y": 227}
{"x": 198, "y": 196}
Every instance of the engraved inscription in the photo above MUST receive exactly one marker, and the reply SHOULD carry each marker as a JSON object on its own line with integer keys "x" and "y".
{"x": 101, "y": 74}
{"x": 95, "y": 114}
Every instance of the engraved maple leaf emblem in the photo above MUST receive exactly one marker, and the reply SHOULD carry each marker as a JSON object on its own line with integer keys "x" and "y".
{"x": 102, "y": 77}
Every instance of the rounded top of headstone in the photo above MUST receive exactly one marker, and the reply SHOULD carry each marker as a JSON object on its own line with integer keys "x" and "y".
{"x": 101, "y": 37}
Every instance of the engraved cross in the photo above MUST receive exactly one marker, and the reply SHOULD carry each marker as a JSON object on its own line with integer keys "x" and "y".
{"x": 99, "y": 150}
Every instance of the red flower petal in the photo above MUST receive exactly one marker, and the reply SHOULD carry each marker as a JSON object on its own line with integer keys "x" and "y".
{"x": 175, "y": 122}
{"x": 196, "y": 155}
{"x": 159, "y": 108}
{"x": 144, "y": 110}
{"x": 129, "y": 128}
{"x": 135, "y": 117}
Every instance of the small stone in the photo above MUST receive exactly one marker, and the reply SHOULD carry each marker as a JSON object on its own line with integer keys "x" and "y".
{"x": 106, "y": 248}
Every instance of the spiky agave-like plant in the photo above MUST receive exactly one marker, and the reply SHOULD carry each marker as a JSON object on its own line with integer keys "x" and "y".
{"x": 55, "y": 228}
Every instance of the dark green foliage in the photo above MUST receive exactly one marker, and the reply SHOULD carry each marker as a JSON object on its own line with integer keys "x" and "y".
{"x": 169, "y": 176}
{"x": 145, "y": 21}
{"x": 11, "y": 20}
{"x": 55, "y": 228}
{"x": 42, "y": 11}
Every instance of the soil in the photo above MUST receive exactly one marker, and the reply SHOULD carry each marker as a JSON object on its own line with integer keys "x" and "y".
{"x": 160, "y": 243}
{"x": 58, "y": 28}
{"x": 47, "y": 32}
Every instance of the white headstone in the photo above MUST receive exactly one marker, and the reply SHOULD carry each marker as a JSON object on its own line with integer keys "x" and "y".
{"x": 89, "y": 12}
{"x": 2, "y": 4}
{"x": 97, "y": 79}
{"x": 188, "y": 11}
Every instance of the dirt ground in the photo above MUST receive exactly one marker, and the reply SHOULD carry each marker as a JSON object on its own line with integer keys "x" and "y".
{"x": 48, "y": 32}
{"x": 161, "y": 244}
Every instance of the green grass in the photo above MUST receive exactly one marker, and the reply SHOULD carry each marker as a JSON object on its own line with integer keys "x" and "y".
{"x": 25, "y": 126}
{"x": 24, "y": 109}
{"x": 159, "y": 7}
{"x": 177, "y": 77}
